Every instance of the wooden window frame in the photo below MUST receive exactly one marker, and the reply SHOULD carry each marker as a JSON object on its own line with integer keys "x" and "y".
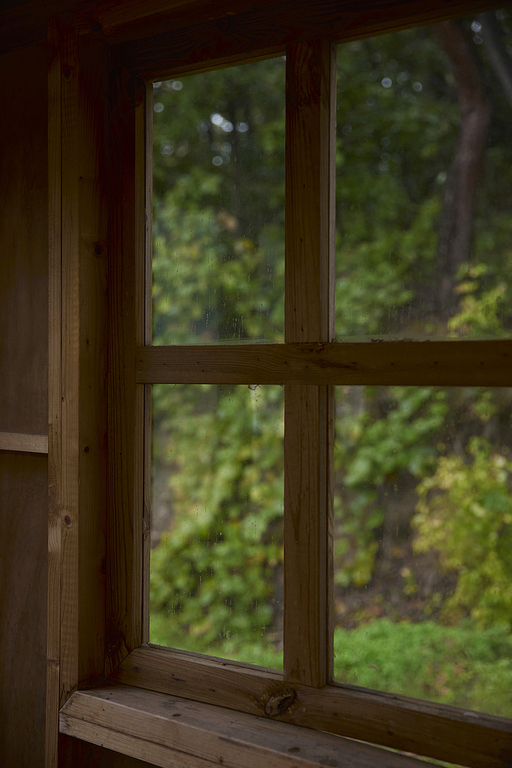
{"x": 102, "y": 366}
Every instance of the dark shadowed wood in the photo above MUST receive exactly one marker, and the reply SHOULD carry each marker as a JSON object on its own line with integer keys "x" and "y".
{"x": 23, "y": 405}
{"x": 468, "y": 738}
{"x": 126, "y": 399}
{"x": 23, "y": 239}
{"x": 93, "y": 262}
{"x": 430, "y": 363}
{"x": 75, "y": 753}
{"x": 263, "y": 32}
{"x": 54, "y": 394}
{"x": 23, "y": 563}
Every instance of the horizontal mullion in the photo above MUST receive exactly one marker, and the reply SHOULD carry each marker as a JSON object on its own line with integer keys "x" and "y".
{"x": 424, "y": 728}
{"x": 426, "y": 363}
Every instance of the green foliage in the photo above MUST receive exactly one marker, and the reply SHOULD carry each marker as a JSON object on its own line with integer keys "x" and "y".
{"x": 463, "y": 666}
{"x": 465, "y": 512}
{"x": 381, "y": 432}
{"x": 218, "y": 268}
{"x": 214, "y": 572}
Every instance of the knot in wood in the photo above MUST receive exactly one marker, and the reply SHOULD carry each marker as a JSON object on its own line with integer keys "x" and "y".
{"x": 279, "y": 702}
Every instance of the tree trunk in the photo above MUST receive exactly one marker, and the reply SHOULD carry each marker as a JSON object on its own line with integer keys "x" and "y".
{"x": 455, "y": 240}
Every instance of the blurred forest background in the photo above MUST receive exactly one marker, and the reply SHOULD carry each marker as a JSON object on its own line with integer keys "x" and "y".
{"x": 423, "y": 493}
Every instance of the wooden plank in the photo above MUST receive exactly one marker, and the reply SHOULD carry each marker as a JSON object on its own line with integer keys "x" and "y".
{"x": 307, "y": 651}
{"x": 77, "y": 373}
{"x": 433, "y": 730}
{"x": 54, "y": 395}
{"x": 23, "y": 240}
{"x": 309, "y": 317}
{"x": 175, "y": 733}
{"x": 26, "y": 442}
{"x": 262, "y": 32}
{"x": 120, "y": 23}
{"x": 68, "y": 423}
{"x": 23, "y": 524}
{"x": 91, "y": 147}
{"x": 126, "y": 400}
{"x": 25, "y": 23}
{"x": 145, "y": 332}
{"x": 411, "y": 363}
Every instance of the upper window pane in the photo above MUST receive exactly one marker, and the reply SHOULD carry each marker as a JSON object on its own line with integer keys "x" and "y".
{"x": 424, "y": 188}
{"x": 218, "y": 179}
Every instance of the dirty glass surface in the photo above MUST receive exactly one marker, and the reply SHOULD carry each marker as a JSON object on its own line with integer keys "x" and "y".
{"x": 218, "y": 246}
{"x": 216, "y": 559}
{"x": 424, "y": 182}
{"x": 423, "y": 543}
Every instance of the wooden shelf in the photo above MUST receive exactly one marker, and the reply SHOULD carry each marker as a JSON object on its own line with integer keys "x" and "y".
{"x": 172, "y": 732}
{"x": 26, "y": 442}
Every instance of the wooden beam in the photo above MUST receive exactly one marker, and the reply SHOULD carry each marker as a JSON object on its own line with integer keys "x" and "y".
{"x": 77, "y": 367}
{"x": 468, "y": 738}
{"x": 25, "y": 442}
{"x": 257, "y": 32}
{"x": 119, "y": 23}
{"x": 407, "y": 363}
{"x": 127, "y": 329}
{"x": 309, "y": 317}
{"x": 54, "y": 394}
{"x": 172, "y": 732}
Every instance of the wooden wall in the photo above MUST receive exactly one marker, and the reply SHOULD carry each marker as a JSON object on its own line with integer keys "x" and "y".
{"x": 23, "y": 404}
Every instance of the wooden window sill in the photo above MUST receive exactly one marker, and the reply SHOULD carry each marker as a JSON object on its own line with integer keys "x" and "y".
{"x": 169, "y": 731}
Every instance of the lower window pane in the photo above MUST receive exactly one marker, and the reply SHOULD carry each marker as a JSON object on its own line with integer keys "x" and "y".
{"x": 216, "y": 560}
{"x": 423, "y": 543}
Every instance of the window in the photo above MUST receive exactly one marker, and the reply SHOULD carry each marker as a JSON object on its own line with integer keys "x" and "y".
{"x": 309, "y": 364}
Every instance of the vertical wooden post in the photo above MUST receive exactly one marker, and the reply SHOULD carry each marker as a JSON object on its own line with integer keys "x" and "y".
{"x": 54, "y": 397}
{"x": 145, "y": 282}
{"x": 77, "y": 368}
{"x": 127, "y": 329}
{"x": 309, "y": 317}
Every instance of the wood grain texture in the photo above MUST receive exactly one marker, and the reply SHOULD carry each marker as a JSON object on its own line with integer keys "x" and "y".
{"x": 266, "y": 31}
{"x": 145, "y": 332}
{"x": 93, "y": 354}
{"x": 77, "y": 370}
{"x": 467, "y": 738}
{"x": 68, "y": 480}
{"x": 433, "y": 363}
{"x": 310, "y": 171}
{"x": 175, "y": 733}
{"x": 126, "y": 400}
{"x": 23, "y": 520}
{"x": 54, "y": 395}
{"x": 26, "y": 442}
{"x": 307, "y": 648}
{"x": 309, "y": 317}
{"x": 23, "y": 238}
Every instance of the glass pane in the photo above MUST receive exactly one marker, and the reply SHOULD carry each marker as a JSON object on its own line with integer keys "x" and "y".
{"x": 423, "y": 543}
{"x": 216, "y": 561}
{"x": 424, "y": 182}
{"x": 218, "y": 182}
